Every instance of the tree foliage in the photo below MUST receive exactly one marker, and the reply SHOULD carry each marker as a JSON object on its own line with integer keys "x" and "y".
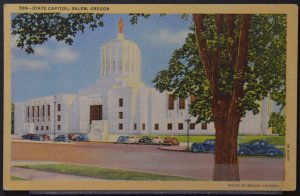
{"x": 277, "y": 122}
{"x": 36, "y": 29}
{"x": 264, "y": 72}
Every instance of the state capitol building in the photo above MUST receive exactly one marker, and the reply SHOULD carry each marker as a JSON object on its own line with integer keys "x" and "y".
{"x": 119, "y": 103}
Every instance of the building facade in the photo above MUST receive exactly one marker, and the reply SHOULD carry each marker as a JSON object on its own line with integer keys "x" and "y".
{"x": 119, "y": 103}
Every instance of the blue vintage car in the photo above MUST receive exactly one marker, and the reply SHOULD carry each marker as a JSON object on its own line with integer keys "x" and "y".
{"x": 36, "y": 137}
{"x": 207, "y": 146}
{"x": 82, "y": 138}
{"x": 259, "y": 147}
{"x": 122, "y": 139}
{"x": 62, "y": 138}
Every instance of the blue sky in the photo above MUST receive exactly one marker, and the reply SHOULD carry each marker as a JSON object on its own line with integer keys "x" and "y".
{"x": 58, "y": 68}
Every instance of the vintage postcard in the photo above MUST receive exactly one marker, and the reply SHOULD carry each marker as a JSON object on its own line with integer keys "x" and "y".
{"x": 150, "y": 97}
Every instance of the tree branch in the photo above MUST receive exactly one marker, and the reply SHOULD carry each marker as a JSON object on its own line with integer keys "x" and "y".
{"x": 230, "y": 39}
{"x": 241, "y": 62}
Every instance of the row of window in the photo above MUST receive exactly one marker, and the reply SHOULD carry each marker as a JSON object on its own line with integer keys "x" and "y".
{"x": 171, "y": 102}
{"x": 46, "y": 128}
{"x": 38, "y": 120}
{"x": 42, "y": 109}
{"x": 169, "y": 126}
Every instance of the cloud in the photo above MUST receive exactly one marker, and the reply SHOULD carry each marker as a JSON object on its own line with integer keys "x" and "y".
{"x": 65, "y": 55}
{"x": 33, "y": 65}
{"x": 44, "y": 58}
{"x": 13, "y": 42}
{"x": 165, "y": 36}
{"x": 41, "y": 51}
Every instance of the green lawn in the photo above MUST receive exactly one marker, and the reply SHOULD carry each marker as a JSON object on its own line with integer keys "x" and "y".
{"x": 102, "y": 173}
{"x": 275, "y": 140}
{"x": 17, "y": 178}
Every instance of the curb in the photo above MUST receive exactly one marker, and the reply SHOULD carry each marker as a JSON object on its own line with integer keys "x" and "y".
{"x": 172, "y": 149}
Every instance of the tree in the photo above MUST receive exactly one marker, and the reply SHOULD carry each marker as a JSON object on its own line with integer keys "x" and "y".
{"x": 36, "y": 29}
{"x": 277, "y": 122}
{"x": 229, "y": 63}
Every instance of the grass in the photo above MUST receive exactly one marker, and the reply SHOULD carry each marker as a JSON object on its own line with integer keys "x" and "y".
{"x": 275, "y": 140}
{"x": 17, "y": 178}
{"x": 102, "y": 173}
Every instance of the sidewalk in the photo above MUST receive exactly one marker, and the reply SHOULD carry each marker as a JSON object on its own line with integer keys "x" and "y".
{"x": 30, "y": 174}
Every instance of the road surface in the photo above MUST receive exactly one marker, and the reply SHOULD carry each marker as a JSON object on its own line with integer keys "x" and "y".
{"x": 146, "y": 158}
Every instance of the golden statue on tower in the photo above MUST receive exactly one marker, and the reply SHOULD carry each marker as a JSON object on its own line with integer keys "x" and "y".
{"x": 121, "y": 25}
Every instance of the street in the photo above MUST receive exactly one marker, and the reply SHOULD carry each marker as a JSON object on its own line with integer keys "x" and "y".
{"x": 146, "y": 158}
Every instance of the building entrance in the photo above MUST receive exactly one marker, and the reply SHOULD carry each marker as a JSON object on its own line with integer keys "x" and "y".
{"x": 95, "y": 112}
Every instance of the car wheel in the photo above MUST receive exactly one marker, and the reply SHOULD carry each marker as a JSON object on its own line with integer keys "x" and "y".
{"x": 271, "y": 153}
{"x": 195, "y": 150}
{"x": 242, "y": 152}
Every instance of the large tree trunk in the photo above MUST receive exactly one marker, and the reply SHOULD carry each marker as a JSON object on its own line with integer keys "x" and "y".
{"x": 226, "y": 110}
{"x": 226, "y": 160}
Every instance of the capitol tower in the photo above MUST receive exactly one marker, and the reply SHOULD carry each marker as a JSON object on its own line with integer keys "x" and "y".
{"x": 120, "y": 59}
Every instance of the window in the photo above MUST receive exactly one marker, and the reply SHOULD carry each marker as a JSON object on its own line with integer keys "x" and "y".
{"x": 58, "y": 117}
{"x": 120, "y": 126}
{"x": 38, "y": 111}
{"x": 47, "y": 128}
{"x": 42, "y": 128}
{"x": 28, "y": 111}
{"x": 58, "y": 107}
{"x": 192, "y": 126}
{"x": 32, "y": 111}
{"x": 203, "y": 125}
{"x": 171, "y": 102}
{"x": 170, "y": 126}
{"x": 156, "y": 126}
{"x": 120, "y": 115}
{"x": 120, "y": 102}
{"x": 58, "y": 127}
{"x": 43, "y": 110}
{"x": 37, "y": 128}
{"x": 193, "y": 98}
{"x": 181, "y": 103}
{"x": 180, "y": 126}
{"x": 135, "y": 126}
{"x": 143, "y": 126}
{"x": 48, "y": 110}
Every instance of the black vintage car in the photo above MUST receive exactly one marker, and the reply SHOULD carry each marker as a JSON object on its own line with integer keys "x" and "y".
{"x": 27, "y": 136}
{"x": 259, "y": 147}
{"x": 207, "y": 146}
{"x": 145, "y": 140}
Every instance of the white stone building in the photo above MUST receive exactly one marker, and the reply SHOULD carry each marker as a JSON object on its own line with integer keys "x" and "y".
{"x": 119, "y": 103}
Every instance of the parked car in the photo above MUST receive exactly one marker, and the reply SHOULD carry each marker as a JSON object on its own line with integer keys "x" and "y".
{"x": 207, "y": 146}
{"x": 45, "y": 137}
{"x": 171, "y": 141}
{"x": 62, "y": 138}
{"x": 82, "y": 138}
{"x": 37, "y": 137}
{"x": 133, "y": 140}
{"x": 122, "y": 139}
{"x": 145, "y": 140}
{"x": 72, "y": 136}
{"x": 157, "y": 140}
{"x": 259, "y": 147}
{"x": 27, "y": 136}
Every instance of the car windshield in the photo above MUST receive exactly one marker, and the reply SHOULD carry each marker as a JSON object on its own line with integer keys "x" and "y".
{"x": 207, "y": 142}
